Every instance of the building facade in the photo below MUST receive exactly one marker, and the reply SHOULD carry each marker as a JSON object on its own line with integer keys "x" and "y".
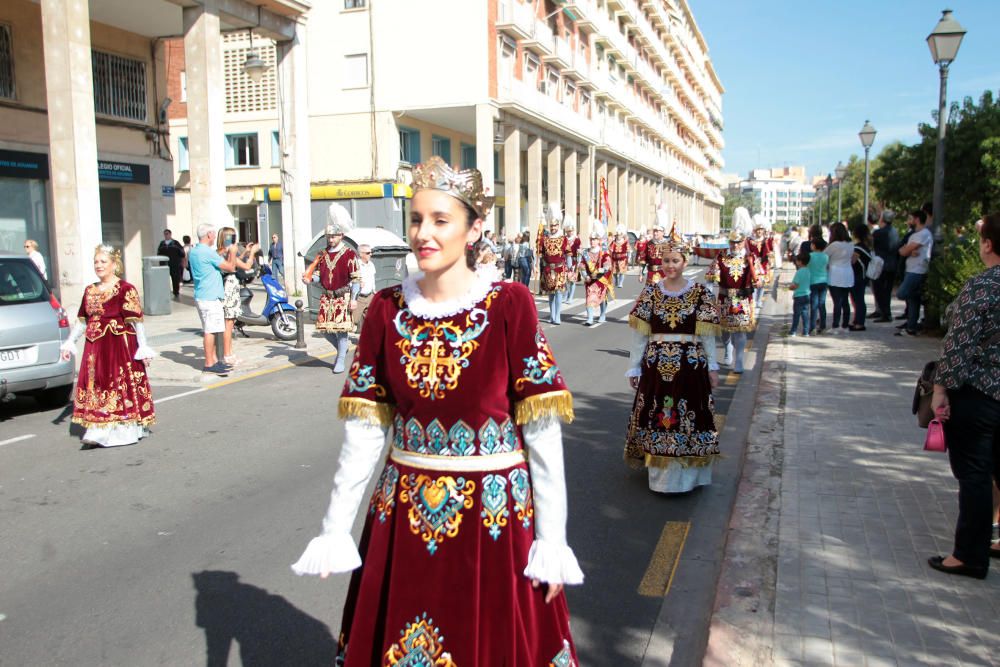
{"x": 549, "y": 101}
{"x": 782, "y": 194}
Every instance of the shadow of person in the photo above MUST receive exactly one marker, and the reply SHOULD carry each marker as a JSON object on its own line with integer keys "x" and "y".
{"x": 189, "y": 355}
{"x": 270, "y": 631}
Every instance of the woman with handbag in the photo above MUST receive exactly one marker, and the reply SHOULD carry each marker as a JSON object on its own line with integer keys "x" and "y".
{"x": 967, "y": 399}
{"x": 859, "y": 264}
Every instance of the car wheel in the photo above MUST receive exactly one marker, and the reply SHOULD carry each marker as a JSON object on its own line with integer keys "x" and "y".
{"x": 54, "y": 397}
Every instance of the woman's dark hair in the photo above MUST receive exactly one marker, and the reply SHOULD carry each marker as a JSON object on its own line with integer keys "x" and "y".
{"x": 862, "y": 234}
{"x": 928, "y": 208}
{"x": 471, "y": 253}
{"x": 838, "y": 232}
{"x": 990, "y": 231}
{"x": 815, "y": 232}
{"x": 186, "y": 238}
{"x": 819, "y": 245}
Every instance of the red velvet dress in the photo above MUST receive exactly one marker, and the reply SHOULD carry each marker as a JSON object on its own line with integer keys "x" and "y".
{"x": 443, "y": 552}
{"x": 112, "y": 388}
{"x": 761, "y": 250}
{"x": 737, "y": 277}
{"x": 337, "y": 271}
{"x": 619, "y": 256}
{"x": 653, "y": 259}
{"x": 553, "y": 253}
{"x": 673, "y": 414}
{"x": 596, "y": 271}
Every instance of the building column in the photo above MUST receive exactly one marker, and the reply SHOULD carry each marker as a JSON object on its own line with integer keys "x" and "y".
{"x": 69, "y": 91}
{"x": 296, "y": 198}
{"x": 624, "y": 215}
{"x": 553, "y": 169}
{"x": 512, "y": 179}
{"x": 571, "y": 207}
{"x": 586, "y": 212}
{"x": 485, "y": 115}
{"x": 535, "y": 202}
{"x": 612, "y": 171}
{"x": 642, "y": 214}
{"x": 634, "y": 199}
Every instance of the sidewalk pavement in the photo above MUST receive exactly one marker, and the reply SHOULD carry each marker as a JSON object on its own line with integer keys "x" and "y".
{"x": 177, "y": 338}
{"x": 837, "y": 512}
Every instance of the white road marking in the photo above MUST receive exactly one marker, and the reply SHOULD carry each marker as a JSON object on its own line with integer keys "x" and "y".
{"x": 157, "y": 401}
{"x": 19, "y": 438}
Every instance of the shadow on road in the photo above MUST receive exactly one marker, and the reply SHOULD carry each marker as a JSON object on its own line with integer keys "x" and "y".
{"x": 269, "y": 630}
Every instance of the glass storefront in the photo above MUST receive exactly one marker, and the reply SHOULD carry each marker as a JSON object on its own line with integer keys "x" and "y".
{"x": 24, "y": 215}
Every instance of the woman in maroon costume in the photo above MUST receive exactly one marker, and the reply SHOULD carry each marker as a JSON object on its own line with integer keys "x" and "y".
{"x": 464, "y": 546}
{"x": 112, "y": 399}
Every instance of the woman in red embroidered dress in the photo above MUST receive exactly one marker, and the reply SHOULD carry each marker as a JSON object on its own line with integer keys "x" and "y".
{"x": 619, "y": 255}
{"x": 112, "y": 399}
{"x": 464, "y": 546}
{"x": 595, "y": 269}
{"x": 672, "y": 367}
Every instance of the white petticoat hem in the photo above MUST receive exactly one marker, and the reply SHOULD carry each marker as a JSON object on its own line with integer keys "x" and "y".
{"x": 114, "y": 435}
{"x": 676, "y": 478}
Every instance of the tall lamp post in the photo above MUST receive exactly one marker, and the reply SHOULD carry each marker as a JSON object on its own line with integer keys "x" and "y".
{"x": 943, "y": 42}
{"x": 841, "y": 171}
{"x": 867, "y": 135}
{"x": 829, "y": 189}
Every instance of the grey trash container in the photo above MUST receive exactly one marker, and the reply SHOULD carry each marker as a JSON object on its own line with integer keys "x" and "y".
{"x": 155, "y": 285}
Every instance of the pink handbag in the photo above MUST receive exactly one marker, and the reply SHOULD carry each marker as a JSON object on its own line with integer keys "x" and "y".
{"x": 935, "y": 437}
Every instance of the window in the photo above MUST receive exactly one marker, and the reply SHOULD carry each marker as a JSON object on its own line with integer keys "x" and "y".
{"x": 183, "y": 160}
{"x": 6, "y": 63}
{"x": 569, "y": 94}
{"x": 531, "y": 65}
{"x": 553, "y": 79}
{"x": 497, "y": 176}
{"x": 508, "y": 49}
{"x": 585, "y": 103}
{"x": 241, "y": 150}
{"x": 356, "y": 70}
{"x": 184, "y": 86}
{"x": 119, "y": 86}
{"x": 469, "y": 157}
{"x": 354, "y": 4}
{"x": 275, "y": 149}
{"x": 409, "y": 145}
{"x": 441, "y": 146}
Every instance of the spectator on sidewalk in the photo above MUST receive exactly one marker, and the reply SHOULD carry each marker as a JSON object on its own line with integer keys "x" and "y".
{"x": 174, "y": 252}
{"x": 31, "y": 249}
{"x": 818, "y": 277}
{"x": 366, "y": 275}
{"x": 967, "y": 399}
{"x": 800, "y": 286}
{"x": 186, "y": 274}
{"x": 276, "y": 258}
{"x": 917, "y": 252}
{"x": 885, "y": 242}
{"x": 242, "y": 260}
{"x": 525, "y": 259}
{"x": 860, "y": 260}
{"x": 841, "y": 275}
{"x": 206, "y": 271}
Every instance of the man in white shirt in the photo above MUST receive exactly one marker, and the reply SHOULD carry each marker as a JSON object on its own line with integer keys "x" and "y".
{"x": 917, "y": 252}
{"x": 367, "y": 291}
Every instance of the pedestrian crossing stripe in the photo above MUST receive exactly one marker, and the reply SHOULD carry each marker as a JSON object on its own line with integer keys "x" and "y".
{"x": 662, "y": 567}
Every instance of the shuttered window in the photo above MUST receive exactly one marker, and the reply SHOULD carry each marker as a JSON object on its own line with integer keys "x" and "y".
{"x": 119, "y": 86}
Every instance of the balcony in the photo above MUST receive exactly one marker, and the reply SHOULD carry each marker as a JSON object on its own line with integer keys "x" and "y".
{"x": 547, "y": 109}
{"x": 584, "y": 10}
{"x": 562, "y": 56}
{"x": 515, "y": 18}
{"x": 541, "y": 40}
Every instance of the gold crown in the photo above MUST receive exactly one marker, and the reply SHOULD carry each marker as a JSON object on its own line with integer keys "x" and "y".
{"x": 676, "y": 242}
{"x": 466, "y": 185}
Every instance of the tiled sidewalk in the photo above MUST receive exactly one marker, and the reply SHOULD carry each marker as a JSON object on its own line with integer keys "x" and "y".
{"x": 860, "y": 507}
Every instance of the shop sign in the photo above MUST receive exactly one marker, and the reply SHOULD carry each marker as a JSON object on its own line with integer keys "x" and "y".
{"x": 167, "y": 190}
{"x": 122, "y": 172}
{"x": 21, "y": 164}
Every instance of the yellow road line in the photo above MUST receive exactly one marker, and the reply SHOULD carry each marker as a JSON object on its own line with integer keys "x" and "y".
{"x": 663, "y": 565}
{"x": 732, "y": 378}
{"x": 268, "y": 371}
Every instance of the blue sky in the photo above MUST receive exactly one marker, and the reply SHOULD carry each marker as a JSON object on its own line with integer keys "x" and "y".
{"x": 801, "y": 78}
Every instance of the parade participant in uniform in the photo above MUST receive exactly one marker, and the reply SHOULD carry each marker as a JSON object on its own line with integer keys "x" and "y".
{"x": 735, "y": 271}
{"x": 652, "y": 258}
{"x": 640, "y": 249}
{"x": 112, "y": 400}
{"x": 672, "y": 367}
{"x": 761, "y": 247}
{"x": 596, "y": 269}
{"x": 553, "y": 252}
{"x": 463, "y": 555}
{"x": 339, "y": 274}
{"x": 569, "y": 229}
{"x": 619, "y": 256}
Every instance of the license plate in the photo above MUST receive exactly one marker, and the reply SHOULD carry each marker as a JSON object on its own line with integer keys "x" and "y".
{"x": 15, "y": 357}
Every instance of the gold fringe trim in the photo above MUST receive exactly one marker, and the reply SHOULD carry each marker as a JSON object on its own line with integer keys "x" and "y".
{"x": 86, "y": 423}
{"x": 366, "y": 410}
{"x": 554, "y": 403}
{"x": 707, "y": 329}
{"x": 655, "y": 461}
{"x": 642, "y": 326}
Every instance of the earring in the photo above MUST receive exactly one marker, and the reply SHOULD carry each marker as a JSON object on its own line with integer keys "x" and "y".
{"x": 469, "y": 247}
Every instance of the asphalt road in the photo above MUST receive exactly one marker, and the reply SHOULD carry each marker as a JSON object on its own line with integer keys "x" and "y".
{"x": 177, "y": 551}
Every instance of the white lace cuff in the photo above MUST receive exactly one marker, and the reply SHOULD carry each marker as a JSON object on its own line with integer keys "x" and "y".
{"x": 553, "y": 564}
{"x": 331, "y": 553}
{"x": 69, "y": 345}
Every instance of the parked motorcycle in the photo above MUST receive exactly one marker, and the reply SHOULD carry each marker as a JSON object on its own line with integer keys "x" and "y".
{"x": 277, "y": 313}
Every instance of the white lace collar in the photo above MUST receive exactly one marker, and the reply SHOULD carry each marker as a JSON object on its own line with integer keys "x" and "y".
{"x": 683, "y": 290}
{"x": 418, "y": 304}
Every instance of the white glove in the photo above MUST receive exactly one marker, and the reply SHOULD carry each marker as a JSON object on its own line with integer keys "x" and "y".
{"x": 334, "y": 549}
{"x": 69, "y": 345}
{"x": 635, "y": 354}
{"x": 550, "y": 559}
{"x": 143, "y": 351}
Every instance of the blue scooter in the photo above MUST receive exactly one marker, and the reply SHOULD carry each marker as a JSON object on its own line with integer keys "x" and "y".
{"x": 277, "y": 311}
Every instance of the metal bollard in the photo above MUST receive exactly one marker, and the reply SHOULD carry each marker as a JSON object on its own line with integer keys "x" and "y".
{"x": 300, "y": 334}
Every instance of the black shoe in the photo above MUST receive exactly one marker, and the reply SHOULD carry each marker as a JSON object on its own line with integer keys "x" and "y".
{"x": 937, "y": 562}
{"x": 218, "y": 368}
{"x": 883, "y": 319}
{"x": 857, "y": 327}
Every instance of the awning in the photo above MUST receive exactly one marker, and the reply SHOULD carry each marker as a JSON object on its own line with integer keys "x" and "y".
{"x": 344, "y": 191}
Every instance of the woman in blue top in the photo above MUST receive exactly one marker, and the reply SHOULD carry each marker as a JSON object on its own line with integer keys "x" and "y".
{"x": 818, "y": 262}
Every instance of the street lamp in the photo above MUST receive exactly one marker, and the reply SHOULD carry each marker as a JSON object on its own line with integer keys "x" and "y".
{"x": 253, "y": 65}
{"x": 867, "y": 135}
{"x": 829, "y": 189}
{"x": 840, "y": 171}
{"x": 943, "y": 42}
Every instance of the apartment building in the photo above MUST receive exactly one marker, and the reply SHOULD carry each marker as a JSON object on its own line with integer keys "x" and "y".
{"x": 549, "y": 100}
{"x": 781, "y": 194}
